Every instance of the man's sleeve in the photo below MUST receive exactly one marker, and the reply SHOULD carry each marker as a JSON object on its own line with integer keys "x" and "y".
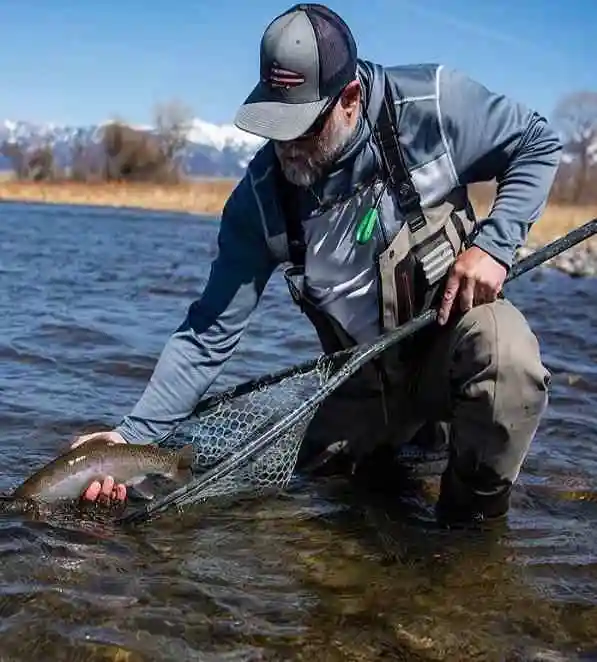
{"x": 488, "y": 137}
{"x": 197, "y": 351}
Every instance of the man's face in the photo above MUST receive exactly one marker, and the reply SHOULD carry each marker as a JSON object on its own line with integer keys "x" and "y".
{"x": 303, "y": 160}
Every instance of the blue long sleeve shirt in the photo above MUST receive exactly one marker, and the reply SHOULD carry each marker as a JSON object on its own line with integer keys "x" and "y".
{"x": 454, "y": 132}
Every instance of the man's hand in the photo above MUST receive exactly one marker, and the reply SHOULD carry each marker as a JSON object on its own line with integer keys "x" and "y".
{"x": 475, "y": 278}
{"x": 107, "y": 491}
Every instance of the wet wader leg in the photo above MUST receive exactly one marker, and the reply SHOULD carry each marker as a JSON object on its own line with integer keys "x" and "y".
{"x": 340, "y": 424}
{"x": 358, "y": 423}
{"x": 484, "y": 375}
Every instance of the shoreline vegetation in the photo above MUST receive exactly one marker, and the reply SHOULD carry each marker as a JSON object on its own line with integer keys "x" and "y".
{"x": 128, "y": 167}
{"x": 201, "y": 196}
{"x": 207, "y": 197}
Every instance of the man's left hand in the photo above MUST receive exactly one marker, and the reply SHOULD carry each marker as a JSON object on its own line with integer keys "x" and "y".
{"x": 475, "y": 278}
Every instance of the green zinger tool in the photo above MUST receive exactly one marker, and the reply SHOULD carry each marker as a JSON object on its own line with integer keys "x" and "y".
{"x": 367, "y": 224}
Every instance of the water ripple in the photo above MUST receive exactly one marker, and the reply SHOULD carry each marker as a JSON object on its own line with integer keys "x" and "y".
{"x": 88, "y": 298}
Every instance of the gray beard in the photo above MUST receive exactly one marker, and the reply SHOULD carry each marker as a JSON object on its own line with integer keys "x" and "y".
{"x": 306, "y": 170}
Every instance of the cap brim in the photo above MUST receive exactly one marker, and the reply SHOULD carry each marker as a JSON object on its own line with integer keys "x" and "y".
{"x": 274, "y": 119}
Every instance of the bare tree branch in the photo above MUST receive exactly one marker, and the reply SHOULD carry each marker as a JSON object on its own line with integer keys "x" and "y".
{"x": 173, "y": 121}
{"x": 576, "y": 117}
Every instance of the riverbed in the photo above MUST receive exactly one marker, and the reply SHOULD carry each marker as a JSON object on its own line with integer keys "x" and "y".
{"x": 88, "y": 298}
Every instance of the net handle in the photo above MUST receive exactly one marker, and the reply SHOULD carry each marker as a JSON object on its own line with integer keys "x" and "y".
{"x": 538, "y": 257}
{"x": 259, "y": 442}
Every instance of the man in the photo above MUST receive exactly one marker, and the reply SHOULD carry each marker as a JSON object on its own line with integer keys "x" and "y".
{"x": 330, "y": 165}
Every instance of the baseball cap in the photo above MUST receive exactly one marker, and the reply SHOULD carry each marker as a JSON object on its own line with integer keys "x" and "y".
{"x": 307, "y": 56}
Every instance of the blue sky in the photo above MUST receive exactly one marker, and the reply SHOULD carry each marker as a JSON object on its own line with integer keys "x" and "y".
{"x": 81, "y": 61}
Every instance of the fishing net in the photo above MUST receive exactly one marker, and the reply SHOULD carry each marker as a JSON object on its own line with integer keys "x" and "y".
{"x": 228, "y": 425}
{"x": 248, "y": 439}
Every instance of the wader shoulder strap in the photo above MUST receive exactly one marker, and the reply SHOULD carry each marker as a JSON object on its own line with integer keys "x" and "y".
{"x": 396, "y": 170}
{"x": 294, "y": 228}
{"x": 415, "y": 291}
{"x": 394, "y": 164}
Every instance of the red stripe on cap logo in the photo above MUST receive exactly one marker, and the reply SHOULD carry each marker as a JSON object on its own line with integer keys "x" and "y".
{"x": 280, "y": 77}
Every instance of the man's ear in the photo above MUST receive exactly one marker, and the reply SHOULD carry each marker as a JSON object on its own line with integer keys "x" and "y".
{"x": 351, "y": 97}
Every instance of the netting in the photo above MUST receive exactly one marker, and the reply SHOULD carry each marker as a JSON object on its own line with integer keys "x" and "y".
{"x": 250, "y": 442}
{"x": 230, "y": 424}
{"x": 250, "y": 439}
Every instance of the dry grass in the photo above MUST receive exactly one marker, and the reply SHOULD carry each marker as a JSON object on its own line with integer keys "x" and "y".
{"x": 207, "y": 196}
{"x": 556, "y": 220}
{"x": 199, "y": 197}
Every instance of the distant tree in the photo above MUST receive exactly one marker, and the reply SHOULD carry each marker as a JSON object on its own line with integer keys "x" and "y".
{"x": 133, "y": 154}
{"x": 40, "y": 164}
{"x": 16, "y": 155}
{"x": 173, "y": 121}
{"x": 576, "y": 118}
{"x": 123, "y": 153}
{"x": 35, "y": 163}
{"x": 81, "y": 166}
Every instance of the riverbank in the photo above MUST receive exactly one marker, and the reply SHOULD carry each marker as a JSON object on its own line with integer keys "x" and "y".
{"x": 338, "y": 575}
{"x": 208, "y": 196}
{"x": 556, "y": 221}
{"x": 196, "y": 197}
{"x": 580, "y": 261}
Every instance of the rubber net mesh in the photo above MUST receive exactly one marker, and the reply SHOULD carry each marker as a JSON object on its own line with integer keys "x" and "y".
{"x": 227, "y": 427}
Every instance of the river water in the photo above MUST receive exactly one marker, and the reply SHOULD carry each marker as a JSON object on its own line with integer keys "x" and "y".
{"x": 88, "y": 298}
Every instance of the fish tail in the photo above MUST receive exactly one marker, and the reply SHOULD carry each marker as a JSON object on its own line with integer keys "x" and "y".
{"x": 182, "y": 470}
{"x": 16, "y": 504}
{"x": 186, "y": 457}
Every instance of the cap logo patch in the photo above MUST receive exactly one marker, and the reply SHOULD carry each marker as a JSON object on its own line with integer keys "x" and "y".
{"x": 280, "y": 77}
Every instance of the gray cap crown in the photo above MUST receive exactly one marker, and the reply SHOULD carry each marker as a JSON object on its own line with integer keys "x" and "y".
{"x": 307, "y": 56}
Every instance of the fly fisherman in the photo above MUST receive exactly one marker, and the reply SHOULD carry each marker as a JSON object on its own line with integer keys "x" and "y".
{"x": 307, "y": 198}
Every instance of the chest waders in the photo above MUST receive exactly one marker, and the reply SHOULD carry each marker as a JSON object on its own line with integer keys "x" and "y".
{"x": 411, "y": 265}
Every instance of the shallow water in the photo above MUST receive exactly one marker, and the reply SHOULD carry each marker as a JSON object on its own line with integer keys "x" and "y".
{"x": 88, "y": 298}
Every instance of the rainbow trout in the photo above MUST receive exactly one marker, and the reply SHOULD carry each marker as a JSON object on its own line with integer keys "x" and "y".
{"x": 68, "y": 475}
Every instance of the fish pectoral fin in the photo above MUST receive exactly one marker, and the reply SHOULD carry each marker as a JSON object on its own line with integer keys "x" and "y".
{"x": 142, "y": 489}
{"x": 182, "y": 476}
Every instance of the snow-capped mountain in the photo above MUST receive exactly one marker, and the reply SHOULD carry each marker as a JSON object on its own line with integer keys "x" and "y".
{"x": 213, "y": 150}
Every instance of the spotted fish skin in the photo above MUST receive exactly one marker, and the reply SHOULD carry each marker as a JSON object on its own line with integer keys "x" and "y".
{"x": 68, "y": 475}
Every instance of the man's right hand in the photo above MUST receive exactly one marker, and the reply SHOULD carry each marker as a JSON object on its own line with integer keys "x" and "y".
{"x": 105, "y": 492}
